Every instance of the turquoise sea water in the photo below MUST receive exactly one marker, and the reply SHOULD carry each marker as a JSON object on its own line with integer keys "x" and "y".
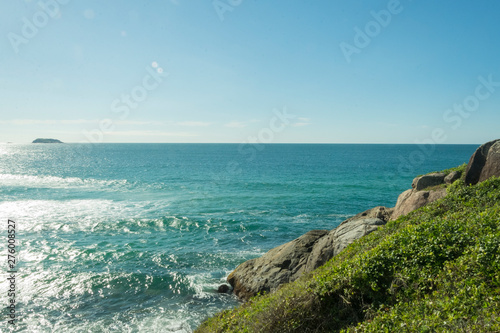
{"x": 137, "y": 237}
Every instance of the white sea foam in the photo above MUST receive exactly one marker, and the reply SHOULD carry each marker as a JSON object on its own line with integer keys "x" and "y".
{"x": 56, "y": 182}
{"x": 82, "y": 215}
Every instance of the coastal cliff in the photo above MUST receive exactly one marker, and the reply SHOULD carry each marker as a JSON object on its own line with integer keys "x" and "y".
{"x": 386, "y": 269}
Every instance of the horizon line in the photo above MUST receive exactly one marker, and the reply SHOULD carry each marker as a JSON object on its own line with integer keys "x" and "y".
{"x": 252, "y": 143}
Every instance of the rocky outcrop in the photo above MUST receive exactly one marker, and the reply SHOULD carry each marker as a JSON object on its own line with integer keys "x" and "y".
{"x": 280, "y": 265}
{"x": 429, "y": 180}
{"x": 288, "y": 262}
{"x": 484, "y": 163}
{"x": 410, "y": 200}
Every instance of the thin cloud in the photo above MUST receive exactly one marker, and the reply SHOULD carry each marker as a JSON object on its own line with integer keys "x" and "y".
{"x": 74, "y": 122}
{"x": 236, "y": 124}
{"x": 194, "y": 123}
{"x": 388, "y": 124}
{"x": 301, "y": 121}
{"x": 46, "y": 122}
{"x": 151, "y": 133}
{"x": 137, "y": 123}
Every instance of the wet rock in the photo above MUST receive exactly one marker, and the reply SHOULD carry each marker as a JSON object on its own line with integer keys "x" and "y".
{"x": 223, "y": 288}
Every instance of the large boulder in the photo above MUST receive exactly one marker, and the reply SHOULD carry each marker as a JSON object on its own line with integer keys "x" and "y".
{"x": 288, "y": 262}
{"x": 429, "y": 180}
{"x": 339, "y": 238}
{"x": 412, "y": 199}
{"x": 484, "y": 163}
{"x": 452, "y": 177}
{"x": 282, "y": 264}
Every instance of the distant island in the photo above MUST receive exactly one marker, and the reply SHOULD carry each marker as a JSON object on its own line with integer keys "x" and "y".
{"x": 47, "y": 141}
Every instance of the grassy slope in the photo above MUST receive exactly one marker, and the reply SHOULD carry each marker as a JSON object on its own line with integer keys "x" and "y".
{"x": 436, "y": 269}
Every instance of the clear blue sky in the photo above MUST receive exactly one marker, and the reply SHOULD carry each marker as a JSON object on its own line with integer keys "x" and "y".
{"x": 226, "y": 69}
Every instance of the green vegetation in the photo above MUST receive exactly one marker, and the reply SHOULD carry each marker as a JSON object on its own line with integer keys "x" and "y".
{"x": 460, "y": 169}
{"x": 436, "y": 269}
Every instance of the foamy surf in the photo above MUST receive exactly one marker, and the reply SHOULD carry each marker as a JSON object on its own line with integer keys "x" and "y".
{"x": 57, "y": 182}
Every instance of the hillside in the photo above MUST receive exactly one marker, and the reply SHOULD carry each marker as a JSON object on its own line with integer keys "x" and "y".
{"x": 435, "y": 269}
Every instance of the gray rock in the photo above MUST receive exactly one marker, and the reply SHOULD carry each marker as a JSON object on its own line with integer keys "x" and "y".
{"x": 410, "y": 200}
{"x": 425, "y": 181}
{"x": 484, "y": 163}
{"x": 288, "y": 262}
{"x": 452, "y": 177}
{"x": 282, "y": 264}
{"x": 339, "y": 238}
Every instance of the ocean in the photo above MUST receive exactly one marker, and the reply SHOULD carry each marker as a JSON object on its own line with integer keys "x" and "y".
{"x": 137, "y": 237}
